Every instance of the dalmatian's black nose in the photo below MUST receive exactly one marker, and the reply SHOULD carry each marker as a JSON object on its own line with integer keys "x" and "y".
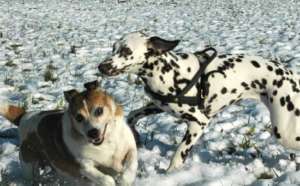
{"x": 104, "y": 68}
{"x": 93, "y": 133}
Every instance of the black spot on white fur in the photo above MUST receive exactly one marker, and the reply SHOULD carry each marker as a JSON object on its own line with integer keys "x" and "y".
{"x": 185, "y": 153}
{"x": 270, "y": 68}
{"x": 255, "y": 64}
{"x": 224, "y": 90}
{"x": 238, "y": 60}
{"x": 282, "y": 101}
{"x": 297, "y": 112}
{"x": 279, "y": 71}
{"x": 276, "y": 133}
{"x": 187, "y": 137}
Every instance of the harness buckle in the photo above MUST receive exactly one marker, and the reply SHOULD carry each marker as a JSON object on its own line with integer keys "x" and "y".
{"x": 202, "y": 96}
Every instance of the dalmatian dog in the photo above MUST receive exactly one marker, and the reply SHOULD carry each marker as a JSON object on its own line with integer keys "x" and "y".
{"x": 197, "y": 86}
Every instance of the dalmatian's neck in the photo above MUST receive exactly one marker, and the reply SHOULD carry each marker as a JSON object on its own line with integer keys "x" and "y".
{"x": 169, "y": 73}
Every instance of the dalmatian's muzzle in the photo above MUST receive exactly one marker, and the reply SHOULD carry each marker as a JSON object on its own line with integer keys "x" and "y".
{"x": 106, "y": 68}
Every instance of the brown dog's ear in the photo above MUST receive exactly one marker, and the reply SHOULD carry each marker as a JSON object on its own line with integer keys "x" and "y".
{"x": 162, "y": 45}
{"x": 70, "y": 94}
{"x": 91, "y": 85}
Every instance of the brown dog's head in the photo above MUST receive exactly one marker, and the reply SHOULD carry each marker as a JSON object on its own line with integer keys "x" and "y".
{"x": 132, "y": 51}
{"x": 92, "y": 112}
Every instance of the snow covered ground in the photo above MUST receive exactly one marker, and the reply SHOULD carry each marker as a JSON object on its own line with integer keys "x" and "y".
{"x": 50, "y": 46}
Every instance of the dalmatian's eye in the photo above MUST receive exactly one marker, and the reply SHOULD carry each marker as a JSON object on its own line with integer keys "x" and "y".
{"x": 79, "y": 118}
{"x": 125, "y": 51}
{"x": 98, "y": 111}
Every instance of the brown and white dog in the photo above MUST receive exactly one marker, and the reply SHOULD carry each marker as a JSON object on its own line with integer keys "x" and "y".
{"x": 89, "y": 142}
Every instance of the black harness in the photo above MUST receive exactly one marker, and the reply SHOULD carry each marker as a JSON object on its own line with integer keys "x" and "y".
{"x": 197, "y": 100}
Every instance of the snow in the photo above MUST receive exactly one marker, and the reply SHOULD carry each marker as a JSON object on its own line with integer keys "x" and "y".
{"x": 36, "y": 41}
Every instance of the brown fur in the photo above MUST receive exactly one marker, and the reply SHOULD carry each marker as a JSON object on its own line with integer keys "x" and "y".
{"x": 46, "y": 147}
{"x": 92, "y": 98}
{"x": 119, "y": 111}
{"x": 14, "y": 113}
{"x": 100, "y": 98}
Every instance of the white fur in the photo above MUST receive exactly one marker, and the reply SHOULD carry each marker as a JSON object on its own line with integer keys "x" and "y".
{"x": 3, "y": 108}
{"x": 118, "y": 141}
{"x": 243, "y": 71}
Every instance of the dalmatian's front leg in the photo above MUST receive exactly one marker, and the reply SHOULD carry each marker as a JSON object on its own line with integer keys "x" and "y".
{"x": 142, "y": 112}
{"x": 147, "y": 110}
{"x": 296, "y": 157}
{"x": 193, "y": 133}
{"x": 297, "y": 160}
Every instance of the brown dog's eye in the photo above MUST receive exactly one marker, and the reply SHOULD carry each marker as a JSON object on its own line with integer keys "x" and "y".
{"x": 98, "y": 111}
{"x": 79, "y": 117}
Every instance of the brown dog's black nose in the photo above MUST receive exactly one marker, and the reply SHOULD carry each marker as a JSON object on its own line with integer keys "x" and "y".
{"x": 93, "y": 133}
{"x": 104, "y": 68}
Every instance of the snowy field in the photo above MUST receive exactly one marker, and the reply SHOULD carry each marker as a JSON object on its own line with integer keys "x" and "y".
{"x": 50, "y": 46}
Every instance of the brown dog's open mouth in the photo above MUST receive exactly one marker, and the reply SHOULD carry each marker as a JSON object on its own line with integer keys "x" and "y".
{"x": 97, "y": 141}
{"x": 100, "y": 139}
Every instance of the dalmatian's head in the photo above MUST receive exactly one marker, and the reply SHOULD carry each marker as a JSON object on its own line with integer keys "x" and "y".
{"x": 132, "y": 51}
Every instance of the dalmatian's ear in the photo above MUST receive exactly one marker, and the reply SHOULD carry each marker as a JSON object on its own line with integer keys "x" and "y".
{"x": 91, "y": 85}
{"x": 160, "y": 45}
{"x": 70, "y": 94}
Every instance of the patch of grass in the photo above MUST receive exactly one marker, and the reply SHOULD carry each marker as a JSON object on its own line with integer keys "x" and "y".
{"x": 246, "y": 143}
{"x": 4, "y": 177}
{"x": 8, "y": 81}
{"x": 10, "y": 63}
{"x": 262, "y": 41}
{"x": 73, "y": 49}
{"x": 49, "y": 74}
{"x": 250, "y": 132}
{"x": 24, "y": 105}
{"x": 231, "y": 149}
{"x": 15, "y": 46}
{"x": 265, "y": 175}
{"x": 26, "y": 70}
{"x": 60, "y": 103}
{"x": 51, "y": 67}
{"x": 123, "y": 1}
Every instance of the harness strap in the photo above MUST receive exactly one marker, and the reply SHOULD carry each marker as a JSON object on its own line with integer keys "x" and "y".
{"x": 202, "y": 92}
{"x": 201, "y": 70}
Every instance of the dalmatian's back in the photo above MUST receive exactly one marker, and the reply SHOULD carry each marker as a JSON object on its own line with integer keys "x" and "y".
{"x": 258, "y": 78}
